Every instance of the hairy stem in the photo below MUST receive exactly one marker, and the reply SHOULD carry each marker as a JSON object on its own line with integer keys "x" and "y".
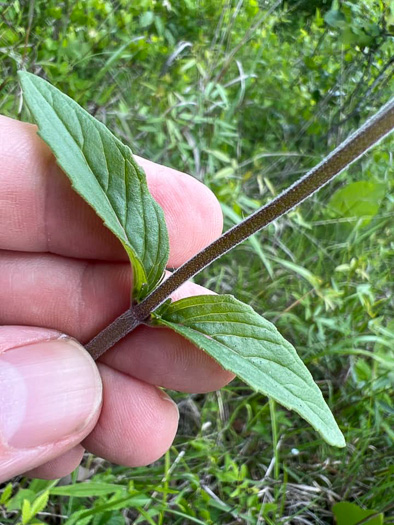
{"x": 113, "y": 333}
{"x": 345, "y": 154}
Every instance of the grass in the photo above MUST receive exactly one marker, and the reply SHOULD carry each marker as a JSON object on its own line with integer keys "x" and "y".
{"x": 247, "y": 116}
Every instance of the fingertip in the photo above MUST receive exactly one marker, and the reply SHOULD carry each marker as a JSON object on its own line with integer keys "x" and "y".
{"x": 138, "y": 422}
{"x": 50, "y": 398}
{"x": 60, "y": 466}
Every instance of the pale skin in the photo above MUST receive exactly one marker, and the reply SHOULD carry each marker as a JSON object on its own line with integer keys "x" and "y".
{"x": 63, "y": 272}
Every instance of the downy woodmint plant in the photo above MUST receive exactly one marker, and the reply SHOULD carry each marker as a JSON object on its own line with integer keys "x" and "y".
{"x": 103, "y": 171}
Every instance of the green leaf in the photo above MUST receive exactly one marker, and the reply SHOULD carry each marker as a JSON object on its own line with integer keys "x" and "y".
{"x": 246, "y": 344}
{"x": 26, "y": 512}
{"x": 85, "y": 490}
{"x": 347, "y": 513}
{"x": 76, "y": 518}
{"x": 40, "y": 503}
{"x": 6, "y": 494}
{"x": 358, "y": 199}
{"x": 335, "y": 18}
{"x": 103, "y": 171}
{"x": 82, "y": 517}
{"x": 16, "y": 502}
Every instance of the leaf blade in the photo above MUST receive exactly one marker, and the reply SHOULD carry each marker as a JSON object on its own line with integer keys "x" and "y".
{"x": 246, "y": 344}
{"x": 103, "y": 171}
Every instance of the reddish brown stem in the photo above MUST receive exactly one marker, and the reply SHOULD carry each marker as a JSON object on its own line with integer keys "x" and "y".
{"x": 345, "y": 154}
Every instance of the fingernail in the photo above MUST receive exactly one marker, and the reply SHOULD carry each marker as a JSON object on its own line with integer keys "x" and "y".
{"x": 166, "y": 397}
{"x": 48, "y": 391}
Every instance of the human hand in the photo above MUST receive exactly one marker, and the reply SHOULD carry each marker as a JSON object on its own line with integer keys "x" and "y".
{"x": 63, "y": 272}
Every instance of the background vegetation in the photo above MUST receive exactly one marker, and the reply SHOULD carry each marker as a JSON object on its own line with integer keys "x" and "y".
{"x": 246, "y": 95}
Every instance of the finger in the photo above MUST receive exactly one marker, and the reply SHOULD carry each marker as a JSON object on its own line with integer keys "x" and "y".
{"x": 40, "y": 212}
{"x": 161, "y": 357}
{"x": 80, "y": 299}
{"x": 60, "y": 466}
{"x": 72, "y": 296}
{"x": 50, "y": 397}
{"x": 137, "y": 424}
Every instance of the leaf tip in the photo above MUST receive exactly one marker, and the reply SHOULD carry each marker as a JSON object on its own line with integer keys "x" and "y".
{"x": 336, "y": 438}
{"x": 340, "y": 443}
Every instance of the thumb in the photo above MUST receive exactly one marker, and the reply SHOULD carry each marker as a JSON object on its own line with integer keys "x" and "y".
{"x": 50, "y": 397}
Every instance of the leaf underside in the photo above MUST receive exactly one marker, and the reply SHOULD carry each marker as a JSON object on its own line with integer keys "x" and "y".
{"x": 103, "y": 171}
{"x": 246, "y": 344}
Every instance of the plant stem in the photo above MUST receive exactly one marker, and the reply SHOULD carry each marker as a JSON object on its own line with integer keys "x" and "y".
{"x": 275, "y": 440}
{"x": 377, "y": 127}
{"x": 113, "y": 333}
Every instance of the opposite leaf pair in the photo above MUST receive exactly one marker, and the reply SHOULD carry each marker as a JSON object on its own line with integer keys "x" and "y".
{"x": 103, "y": 171}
